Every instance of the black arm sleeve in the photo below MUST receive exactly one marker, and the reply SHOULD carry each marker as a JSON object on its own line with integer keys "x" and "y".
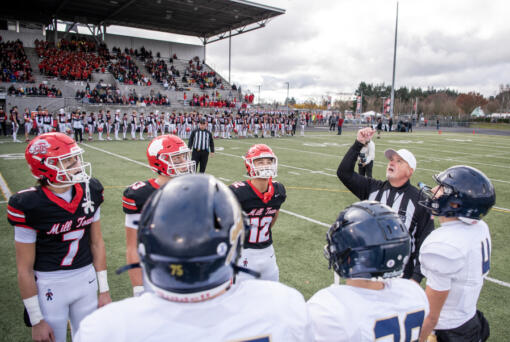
{"x": 190, "y": 140}
{"x": 211, "y": 142}
{"x": 424, "y": 228}
{"x": 358, "y": 185}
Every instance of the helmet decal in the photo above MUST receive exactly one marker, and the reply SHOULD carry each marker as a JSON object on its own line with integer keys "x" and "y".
{"x": 39, "y": 147}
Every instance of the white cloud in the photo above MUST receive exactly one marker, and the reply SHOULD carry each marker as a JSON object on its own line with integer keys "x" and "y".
{"x": 333, "y": 45}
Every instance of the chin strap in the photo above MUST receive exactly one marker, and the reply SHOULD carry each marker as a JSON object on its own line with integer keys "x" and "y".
{"x": 253, "y": 273}
{"x": 125, "y": 268}
{"x": 88, "y": 204}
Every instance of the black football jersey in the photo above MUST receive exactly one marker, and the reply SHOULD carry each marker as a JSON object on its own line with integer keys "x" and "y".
{"x": 63, "y": 229}
{"x": 261, "y": 210}
{"x": 137, "y": 194}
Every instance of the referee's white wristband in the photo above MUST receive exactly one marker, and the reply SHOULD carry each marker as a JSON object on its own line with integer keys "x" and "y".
{"x": 138, "y": 290}
{"x": 33, "y": 309}
{"x": 102, "y": 281}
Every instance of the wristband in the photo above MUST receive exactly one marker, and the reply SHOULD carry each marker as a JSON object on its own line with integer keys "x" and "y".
{"x": 102, "y": 281}
{"x": 138, "y": 290}
{"x": 33, "y": 309}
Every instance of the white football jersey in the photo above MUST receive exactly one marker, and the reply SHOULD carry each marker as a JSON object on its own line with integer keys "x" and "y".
{"x": 252, "y": 311}
{"x": 456, "y": 257}
{"x": 348, "y": 313}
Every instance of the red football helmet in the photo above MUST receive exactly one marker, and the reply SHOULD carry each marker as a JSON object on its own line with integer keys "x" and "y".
{"x": 259, "y": 151}
{"x": 168, "y": 155}
{"x": 188, "y": 129}
{"x": 57, "y": 158}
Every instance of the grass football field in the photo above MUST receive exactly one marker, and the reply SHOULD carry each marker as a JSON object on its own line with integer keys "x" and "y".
{"x": 315, "y": 196}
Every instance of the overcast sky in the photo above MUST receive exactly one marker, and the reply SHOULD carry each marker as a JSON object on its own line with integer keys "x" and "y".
{"x": 331, "y": 46}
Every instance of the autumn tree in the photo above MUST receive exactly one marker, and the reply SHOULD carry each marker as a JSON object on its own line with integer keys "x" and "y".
{"x": 468, "y": 102}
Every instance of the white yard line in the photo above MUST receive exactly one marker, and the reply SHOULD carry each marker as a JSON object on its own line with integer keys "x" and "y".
{"x": 287, "y": 166}
{"x": 338, "y": 156}
{"x": 305, "y": 218}
{"x": 499, "y": 282}
{"x": 414, "y": 146}
{"x": 4, "y": 188}
{"x": 116, "y": 155}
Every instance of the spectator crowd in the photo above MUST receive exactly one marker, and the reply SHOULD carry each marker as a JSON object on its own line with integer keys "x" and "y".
{"x": 42, "y": 90}
{"x": 15, "y": 66}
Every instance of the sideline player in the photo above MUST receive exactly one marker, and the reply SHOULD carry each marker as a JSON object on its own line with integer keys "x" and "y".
{"x": 27, "y": 116}
{"x": 261, "y": 199}
{"x": 190, "y": 265}
{"x": 169, "y": 157}
{"x": 59, "y": 244}
{"x": 455, "y": 257}
{"x": 368, "y": 245}
{"x": 15, "y": 123}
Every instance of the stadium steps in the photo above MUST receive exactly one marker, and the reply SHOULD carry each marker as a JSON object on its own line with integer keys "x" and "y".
{"x": 143, "y": 70}
{"x": 106, "y": 77}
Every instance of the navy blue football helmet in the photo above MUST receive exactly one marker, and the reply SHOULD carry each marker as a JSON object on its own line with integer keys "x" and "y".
{"x": 368, "y": 240}
{"x": 190, "y": 237}
{"x": 467, "y": 193}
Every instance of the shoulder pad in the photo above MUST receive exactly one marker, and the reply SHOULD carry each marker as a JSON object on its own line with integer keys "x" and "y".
{"x": 440, "y": 258}
{"x": 237, "y": 185}
{"x": 19, "y": 204}
{"x": 96, "y": 185}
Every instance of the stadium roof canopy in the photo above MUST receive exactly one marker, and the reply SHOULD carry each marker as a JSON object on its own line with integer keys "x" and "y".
{"x": 201, "y": 18}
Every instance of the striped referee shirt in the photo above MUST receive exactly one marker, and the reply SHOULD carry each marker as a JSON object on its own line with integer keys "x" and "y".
{"x": 201, "y": 140}
{"x": 404, "y": 200}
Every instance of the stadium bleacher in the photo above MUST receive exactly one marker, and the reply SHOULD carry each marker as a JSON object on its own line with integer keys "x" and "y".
{"x": 15, "y": 66}
{"x": 130, "y": 78}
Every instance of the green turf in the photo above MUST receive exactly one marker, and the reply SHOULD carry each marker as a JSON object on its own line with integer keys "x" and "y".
{"x": 307, "y": 167}
{"x": 490, "y": 125}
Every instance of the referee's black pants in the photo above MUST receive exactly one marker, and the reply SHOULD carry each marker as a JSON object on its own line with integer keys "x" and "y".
{"x": 78, "y": 133}
{"x": 366, "y": 170}
{"x": 200, "y": 157}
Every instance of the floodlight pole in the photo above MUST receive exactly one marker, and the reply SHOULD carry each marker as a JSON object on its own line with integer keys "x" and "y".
{"x": 259, "y": 94}
{"x": 229, "y": 54}
{"x": 394, "y": 66}
{"x": 288, "y": 86}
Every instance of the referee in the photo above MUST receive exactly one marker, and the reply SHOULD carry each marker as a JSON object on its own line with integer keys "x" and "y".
{"x": 396, "y": 192}
{"x": 201, "y": 143}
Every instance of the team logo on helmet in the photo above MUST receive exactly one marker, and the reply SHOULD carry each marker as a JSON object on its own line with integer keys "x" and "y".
{"x": 155, "y": 147}
{"x": 39, "y": 147}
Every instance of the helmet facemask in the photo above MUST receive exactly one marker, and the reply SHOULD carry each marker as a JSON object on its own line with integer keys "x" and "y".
{"x": 178, "y": 163}
{"x": 264, "y": 170}
{"x": 70, "y": 168}
{"x": 439, "y": 205}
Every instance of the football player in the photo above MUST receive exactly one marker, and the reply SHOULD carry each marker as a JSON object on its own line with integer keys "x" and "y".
{"x": 15, "y": 123}
{"x": 191, "y": 233}
{"x": 455, "y": 257}
{"x": 27, "y": 116}
{"x": 368, "y": 246}
{"x": 116, "y": 124}
{"x": 60, "y": 253}
{"x": 169, "y": 157}
{"x": 261, "y": 199}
